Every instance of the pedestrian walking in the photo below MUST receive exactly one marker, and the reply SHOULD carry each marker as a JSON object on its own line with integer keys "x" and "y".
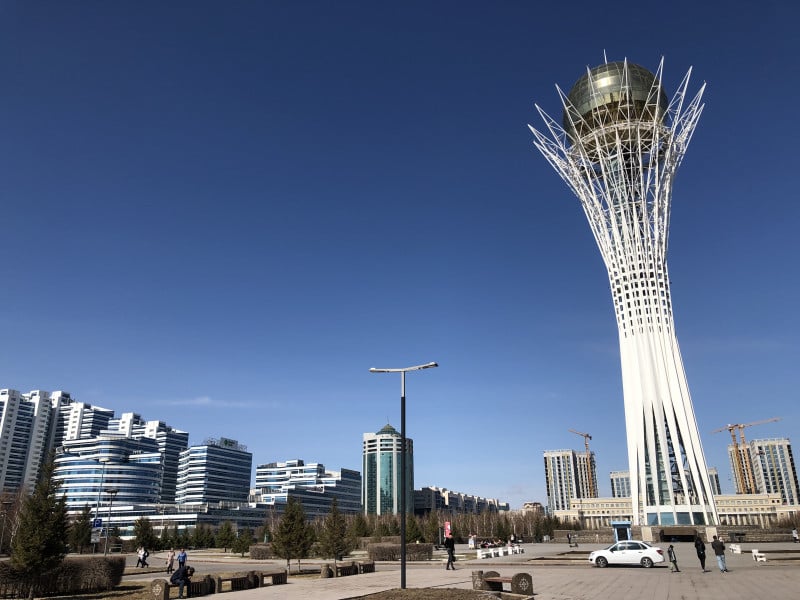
{"x": 700, "y": 548}
{"x": 719, "y": 552}
{"x": 795, "y": 537}
{"x": 673, "y": 558}
{"x": 171, "y": 560}
{"x": 140, "y": 557}
{"x": 450, "y": 546}
{"x": 182, "y": 558}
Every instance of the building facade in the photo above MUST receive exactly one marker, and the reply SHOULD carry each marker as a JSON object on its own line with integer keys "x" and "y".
{"x": 380, "y": 493}
{"x": 619, "y": 144}
{"x": 34, "y": 424}
{"x": 567, "y": 478}
{"x": 90, "y": 470}
{"x": 216, "y": 472}
{"x": 171, "y": 442}
{"x": 310, "y": 483}
{"x": 437, "y": 499}
{"x": 773, "y": 468}
{"x": 620, "y": 484}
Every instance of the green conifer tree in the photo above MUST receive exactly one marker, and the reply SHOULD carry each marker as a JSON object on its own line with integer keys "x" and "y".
{"x": 80, "y": 530}
{"x": 294, "y": 536}
{"x": 40, "y": 544}
{"x": 334, "y": 541}
{"x": 225, "y": 536}
{"x": 243, "y": 542}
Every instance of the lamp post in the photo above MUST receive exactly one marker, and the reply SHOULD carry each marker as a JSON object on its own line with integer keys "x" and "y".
{"x": 403, "y": 372}
{"x": 103, "y": 460}
{"x": 112, "y": 492}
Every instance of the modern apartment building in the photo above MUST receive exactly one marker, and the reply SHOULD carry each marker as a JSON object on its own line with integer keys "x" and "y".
{"x": 310, "y": 483}
{"x": 620, "y": 484}
{"x": 431, "y": 498}
{"x": 171, "y": 442}
{"x": 713, "y": 477}
{"x": 32, "y": 425}
{"x": 90, "y": 470}
{"x": 567, "y": 475}
{"x": 216, "y": 472}
{"x": 773, "y": 468}
{"x": 380, "y": 493}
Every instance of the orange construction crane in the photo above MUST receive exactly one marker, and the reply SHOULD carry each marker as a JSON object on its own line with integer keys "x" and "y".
{"x": 589, "y": 478}
{"x": 743, "y": 466}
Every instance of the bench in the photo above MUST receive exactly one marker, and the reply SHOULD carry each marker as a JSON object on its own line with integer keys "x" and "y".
{"x": 233, "y": 584}
{"x": 499, "y": 551}
{"x": 275, "y": 578}
{"x": 735, "y": 548}
{"x": 346, "y": 570}
{"x": 759, "y": 556}
{"x": 521, "y": 583}
{"x": 366, "y": 567}
{"x": 159, "y": 588}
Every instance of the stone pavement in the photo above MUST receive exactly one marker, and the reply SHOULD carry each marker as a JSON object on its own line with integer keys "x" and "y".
{"x": 747, "y": 580}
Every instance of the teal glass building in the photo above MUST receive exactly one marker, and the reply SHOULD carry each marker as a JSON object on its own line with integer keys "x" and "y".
{"x": 380, "y": 490}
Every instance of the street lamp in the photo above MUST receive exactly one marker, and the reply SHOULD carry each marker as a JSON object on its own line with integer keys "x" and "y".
{"x": 103, "y": 460}
{"x": 403, "y": 372}
{"x": 112, "y": 492}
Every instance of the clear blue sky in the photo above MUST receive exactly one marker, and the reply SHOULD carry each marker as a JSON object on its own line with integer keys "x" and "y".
{"x": 222, "y": 214}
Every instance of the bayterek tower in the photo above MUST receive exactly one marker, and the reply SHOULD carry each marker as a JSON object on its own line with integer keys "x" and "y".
{"x": 618, "y": 147}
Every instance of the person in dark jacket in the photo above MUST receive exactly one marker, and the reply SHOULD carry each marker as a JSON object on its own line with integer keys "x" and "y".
{"x": 673, "y": 558}
{"x": 450, "y": 546}
{"x": 182, "y": 577}
{"x": 719, "y": 551}
{"x": 700, "y": 548}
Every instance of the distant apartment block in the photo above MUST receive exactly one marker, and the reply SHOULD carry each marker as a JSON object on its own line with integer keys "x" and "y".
{"x": 32, "y": 425}
{"x": 89, "y": 470}
{"x": 436, "y": 499}
{"x": 774, "y": 469}
{"x": 310, "y": 483}
{"x": 381, "y": 472}
{"x": 171, "y": 442}
{"x": 216, "y": 472}
{"x": 620, "y": 484}
{"x": 568, "y": 474}
{"x": 713, "y": 476}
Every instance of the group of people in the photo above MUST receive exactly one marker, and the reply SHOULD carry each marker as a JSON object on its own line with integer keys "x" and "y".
{"x": 700, "y": 547}
{"x": 141, "y": 556}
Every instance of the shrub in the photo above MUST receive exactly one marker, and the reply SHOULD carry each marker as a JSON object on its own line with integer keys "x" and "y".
{"x": 73, "y": 576}
{"x": 390, "y": 551}
{"x": 261, "y": 551}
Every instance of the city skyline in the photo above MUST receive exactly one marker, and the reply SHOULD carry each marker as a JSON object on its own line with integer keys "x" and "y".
{"x": 223, "y": 218}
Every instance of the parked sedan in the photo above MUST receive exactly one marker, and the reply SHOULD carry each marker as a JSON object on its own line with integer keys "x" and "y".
{"x": 630, "y": 552}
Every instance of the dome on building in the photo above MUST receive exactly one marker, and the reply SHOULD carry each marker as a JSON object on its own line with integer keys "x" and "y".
{"x": 388, "y": 430}
{"x": 605, "y": 96}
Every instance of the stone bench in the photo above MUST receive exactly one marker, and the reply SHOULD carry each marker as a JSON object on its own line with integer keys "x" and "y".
{"x": 735, "y": 548}
{"x": 159, "y": 588}
{"x": 274, "y": 577}
{"x": 521, "y": 583}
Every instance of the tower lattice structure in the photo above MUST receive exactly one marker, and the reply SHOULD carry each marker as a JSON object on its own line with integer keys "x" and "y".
{"x": 618, "y": 147}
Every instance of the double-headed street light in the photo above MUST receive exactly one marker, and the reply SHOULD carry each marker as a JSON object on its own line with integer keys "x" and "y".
{"x": 403, "y": 492}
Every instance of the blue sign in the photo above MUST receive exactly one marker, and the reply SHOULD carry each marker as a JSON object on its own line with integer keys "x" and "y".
{"x": 97, "y": 523}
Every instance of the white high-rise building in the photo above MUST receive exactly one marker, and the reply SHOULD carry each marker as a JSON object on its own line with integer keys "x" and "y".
{"x": 566, "y": 478}
{"x": 618, "y": 148}
{"x": 216, "y": 472}
{"x": 311, "y": 483}
{"x": 773, "y": 468}
{"x": 620, "y": 484}
{"x": 32, "y": 425}
{"x": 171, "y": 442}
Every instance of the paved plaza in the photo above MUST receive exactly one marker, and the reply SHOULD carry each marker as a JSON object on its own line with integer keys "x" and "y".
{"x": 556, "y": 579}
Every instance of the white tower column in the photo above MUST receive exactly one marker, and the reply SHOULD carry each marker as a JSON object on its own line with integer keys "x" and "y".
{"x": 618, "y": 148}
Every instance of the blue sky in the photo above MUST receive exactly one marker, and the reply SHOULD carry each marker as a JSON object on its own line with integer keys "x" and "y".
{"x": 222, "y": 214}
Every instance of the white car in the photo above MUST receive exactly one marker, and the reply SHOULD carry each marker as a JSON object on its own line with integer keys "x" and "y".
{"x": 630, "y": 552}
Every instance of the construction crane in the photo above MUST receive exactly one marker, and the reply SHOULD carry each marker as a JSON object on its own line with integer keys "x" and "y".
{"x": 743, "y": 467}
{"x": 588, "y": 465}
